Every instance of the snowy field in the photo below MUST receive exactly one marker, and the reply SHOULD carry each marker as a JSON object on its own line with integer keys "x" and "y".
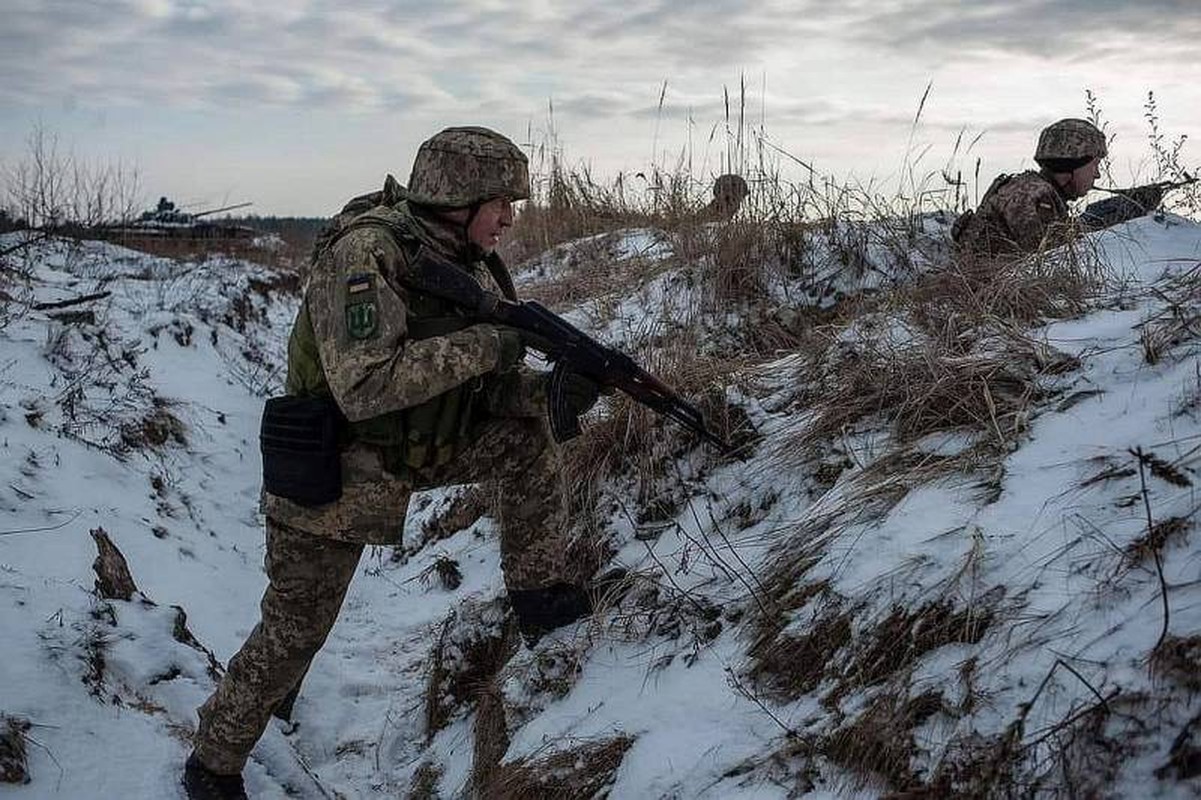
{"x": 141, "y": 418}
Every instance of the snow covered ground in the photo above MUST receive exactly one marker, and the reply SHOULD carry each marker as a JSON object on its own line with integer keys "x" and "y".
{"x": 142, "y": 421}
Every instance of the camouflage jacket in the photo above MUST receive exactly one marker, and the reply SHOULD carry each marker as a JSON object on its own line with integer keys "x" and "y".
{"x": 1019, "y": 214}
{"x": 356, "y": 338}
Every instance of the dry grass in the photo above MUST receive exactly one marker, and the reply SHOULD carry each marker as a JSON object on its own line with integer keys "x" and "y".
{"x": 581, "y": 772}
{"x": 891, "y": 646}
{"x": 569, "y": 205}
{"x": 786, "y": 665}
{"x": 473, "y": 644}
{"x": 491, "y": 737}
{"x": 1178, "y": 323}
{"x": 879, "y": 744}
{"x": 1143, "y": 549}
{"x": 157, "y": 428}
{"x": 1178, "y": 659}
{"x": 948, "y": 355}
{"x": 14, "y": 759}
{"x": 632, "y": 443}
{"x": 424, "y": 785}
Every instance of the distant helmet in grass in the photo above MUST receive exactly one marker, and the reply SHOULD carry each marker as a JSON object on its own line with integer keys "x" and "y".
{"x": 463, "y": 166}
{"x": 1070, "y": 141}
{"x": 730, "y": 187}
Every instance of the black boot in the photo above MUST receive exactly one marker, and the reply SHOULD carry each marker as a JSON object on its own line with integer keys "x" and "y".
{"x": 540, "y": 611}
{"x": 201, "y": 783}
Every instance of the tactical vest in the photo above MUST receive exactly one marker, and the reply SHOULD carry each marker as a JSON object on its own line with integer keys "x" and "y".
{"x": 423, "y": 436}
{"x": 959, "y": 230}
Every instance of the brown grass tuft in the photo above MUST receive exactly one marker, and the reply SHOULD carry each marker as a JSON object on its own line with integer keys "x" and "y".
{"x": 424, "y": 785}
{"x": 584, "y": 771}
{"x": 788, "y": 665}
{"x": 879, "y": 743}
{"x": 14, "y": 760}
{"x": 1162, "y": 534}
{"x": 1178, "y": 659}
{"x": 894, "y": 644}
{"x": 473, "y": 644}
{"x": 155, "y": 429}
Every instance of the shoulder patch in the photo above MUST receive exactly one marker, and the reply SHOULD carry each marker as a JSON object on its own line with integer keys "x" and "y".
{"x": 362, "y": 317}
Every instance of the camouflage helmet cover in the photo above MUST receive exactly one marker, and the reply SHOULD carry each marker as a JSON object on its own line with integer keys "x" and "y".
{"x": 730, "y": 186}
{"x": 1070, "y": 139}
{"x": 462, "y": 166}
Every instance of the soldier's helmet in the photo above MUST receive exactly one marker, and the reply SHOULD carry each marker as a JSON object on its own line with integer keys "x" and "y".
{"x": 730, "y": 188}
{"x": 1070, "y": 140}
{"x": 460, "y": 167}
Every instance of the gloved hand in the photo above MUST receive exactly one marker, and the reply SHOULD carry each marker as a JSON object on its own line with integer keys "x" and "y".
{"x": 580, "y": 393}
{"x": 512, "y": 348}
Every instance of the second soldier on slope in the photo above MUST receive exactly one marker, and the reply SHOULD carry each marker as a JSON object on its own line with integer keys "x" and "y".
{"x": 1026, "y": 213}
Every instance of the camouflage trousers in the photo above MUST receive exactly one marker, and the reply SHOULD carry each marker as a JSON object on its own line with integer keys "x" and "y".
{"x": 309, "y": 575}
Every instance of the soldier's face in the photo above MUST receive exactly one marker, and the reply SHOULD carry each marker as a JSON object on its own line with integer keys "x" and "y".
{"x": 490, "y": 223}
{"x": 1084, "y": 178}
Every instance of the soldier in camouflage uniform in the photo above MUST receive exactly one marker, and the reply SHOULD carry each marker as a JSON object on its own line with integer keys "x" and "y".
{"x": 1028, "y": 213}
{"x": 430, "y": 399}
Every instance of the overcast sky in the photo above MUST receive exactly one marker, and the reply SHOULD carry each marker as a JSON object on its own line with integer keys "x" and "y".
{"x": 298, "y": 105}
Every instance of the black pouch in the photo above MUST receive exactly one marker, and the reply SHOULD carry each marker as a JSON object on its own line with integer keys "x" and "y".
{"x": 299, "y": 439}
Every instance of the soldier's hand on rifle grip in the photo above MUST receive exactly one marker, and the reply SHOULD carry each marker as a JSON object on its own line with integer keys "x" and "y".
{"x": 512, "y": 348}
{"x": 539, "y": 344}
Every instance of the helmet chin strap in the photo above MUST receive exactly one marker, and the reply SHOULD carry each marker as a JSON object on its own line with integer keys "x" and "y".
{"x": 472, "y": 210}
{"x": 1071, "y": 189}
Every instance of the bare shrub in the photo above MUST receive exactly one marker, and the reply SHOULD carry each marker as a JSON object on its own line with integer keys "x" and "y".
{"x": 55, "y": 191}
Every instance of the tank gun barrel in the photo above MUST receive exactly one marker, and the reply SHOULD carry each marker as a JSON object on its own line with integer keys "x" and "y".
{"x": 219, "y": 210}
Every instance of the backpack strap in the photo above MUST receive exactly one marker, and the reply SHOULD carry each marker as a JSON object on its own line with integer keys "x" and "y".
{"x": 500, "y": 274}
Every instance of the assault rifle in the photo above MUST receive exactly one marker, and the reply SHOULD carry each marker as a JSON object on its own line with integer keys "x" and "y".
{"x": 569, "y": 348}
{"x": 1163, "y": 187}
{"x": 1127, "y": 204}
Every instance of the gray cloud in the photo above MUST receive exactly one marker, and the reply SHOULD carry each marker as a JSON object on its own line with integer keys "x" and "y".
{"x": 1071, "y": 30}
{"x": 476, "y": 52}
{"x": 844, "y": 77}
